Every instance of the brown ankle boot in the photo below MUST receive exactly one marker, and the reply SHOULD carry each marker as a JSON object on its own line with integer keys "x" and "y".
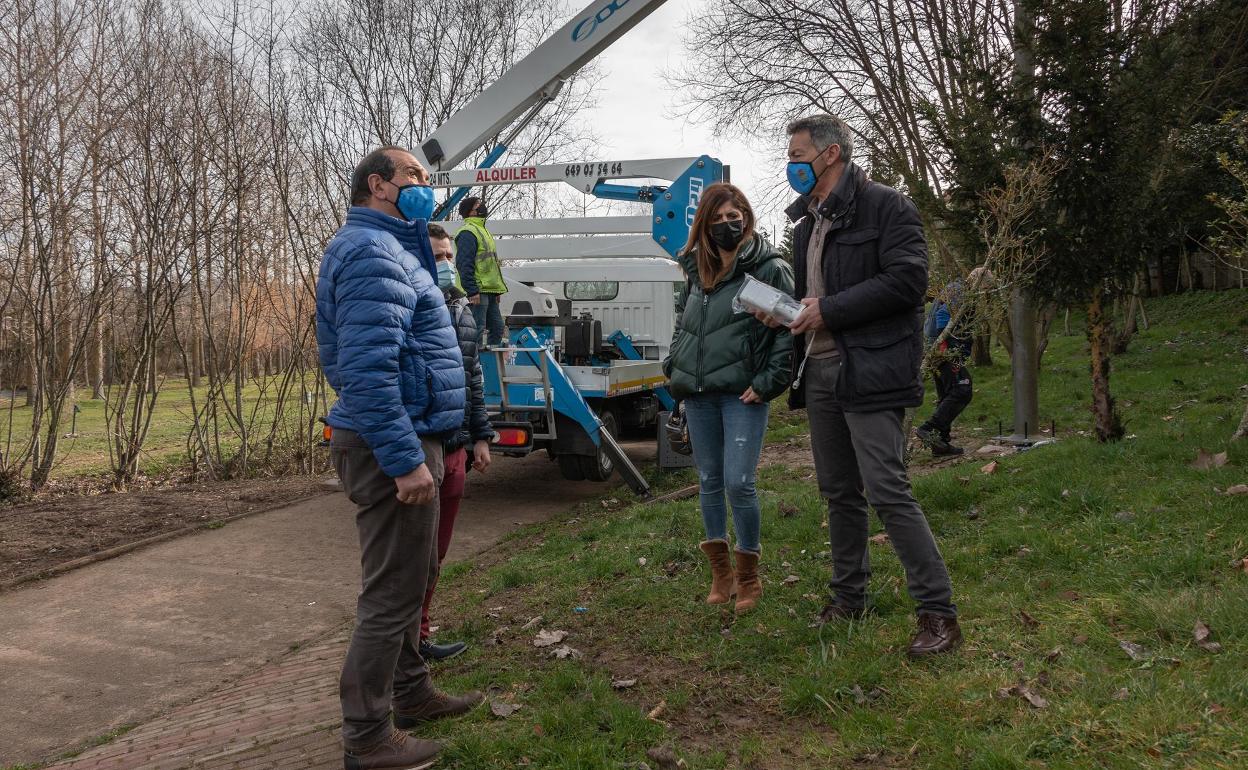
{"x": 721, "y": 571}
{"x": 749, "y": 584}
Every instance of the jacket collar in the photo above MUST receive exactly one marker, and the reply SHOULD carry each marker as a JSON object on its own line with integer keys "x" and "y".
{"x": 746, "y": 260}
{"x": 839, "y": 202}
{"x": 413, "y": 236}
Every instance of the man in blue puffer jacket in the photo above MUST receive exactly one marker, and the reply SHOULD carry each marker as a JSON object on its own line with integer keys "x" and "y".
{"x": 389, "y": 351}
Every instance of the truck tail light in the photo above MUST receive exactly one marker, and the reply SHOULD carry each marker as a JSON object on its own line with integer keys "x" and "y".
{"x": 513, "y": 437}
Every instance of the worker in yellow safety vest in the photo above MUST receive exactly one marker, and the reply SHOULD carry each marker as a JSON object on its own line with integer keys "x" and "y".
{"x": 477, "y": 261}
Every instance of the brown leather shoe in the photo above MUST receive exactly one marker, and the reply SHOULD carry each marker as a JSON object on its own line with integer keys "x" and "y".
{"x": 936, "y": 634}
{"x": 833, "y": 611}
{"x": 400, "y": 750}
{"x": 437, "y": 706}
{"x": 722, "y": 577}
{"x": 749, "y": 584}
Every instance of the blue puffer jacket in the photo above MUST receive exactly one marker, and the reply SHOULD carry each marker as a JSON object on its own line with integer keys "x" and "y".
{"x": 386, "y": 341}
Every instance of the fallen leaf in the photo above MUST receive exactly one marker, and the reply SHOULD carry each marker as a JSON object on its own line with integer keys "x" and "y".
{"x": 1167, "y": 418}
{"x": 657, "y": 710}
{"x": 1021, "y": 690}
{"x": 1065, "y": 493}
{"x": 538, "y": 731}
{"x": 532, "y": 623}
{"x": 1080, "y": 639}
{"x": 1238, "y": 489}
{"x": 503, "y": 710}
{"x": 787, "y": 510}
{"x": 623, "y": 684}
{"x": 1035, "y": 700}
{"x": 547, "y": 638}
{"x": 1204, "y": 461}
{"x": 665, "y": 758}
{"x": 1070, "y": 596}
{"x": 1122, "y": 694}
{"x": 989, "y": 468}
{"x": 1053, "y": 655}
{"x": 880, "y": 539}
{"x": 1028, "y": 620}
{"x": 1203, "y": 635}
{"x": 1134, "y": 651}
{"x": 790, "y": 580}
{"x": 641, "y": 561}
{"x": 562, "y": 652}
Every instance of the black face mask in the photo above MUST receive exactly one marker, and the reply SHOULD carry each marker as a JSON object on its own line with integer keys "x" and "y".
{"x": 728, "y": 235}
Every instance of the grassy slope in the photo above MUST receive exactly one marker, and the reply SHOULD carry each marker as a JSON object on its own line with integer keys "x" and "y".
{"x": 1096, "y": 544}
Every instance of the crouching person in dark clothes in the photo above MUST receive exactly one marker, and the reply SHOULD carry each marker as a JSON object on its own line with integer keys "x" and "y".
{"x": 390, "y": 353}
{"x": 950, "y": 353}
{"x": 860, "y": 263}
{"x": 474, "y": 432}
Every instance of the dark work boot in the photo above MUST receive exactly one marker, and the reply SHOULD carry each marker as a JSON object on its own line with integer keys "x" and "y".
{"x": 435, "y": 652}
{"x": 400, "y": 750}
{"x": 437, "y": 706}
{"x": 936, "y": 634}
{"x": 834, "y": 611}
{"x": 939, "y": 445}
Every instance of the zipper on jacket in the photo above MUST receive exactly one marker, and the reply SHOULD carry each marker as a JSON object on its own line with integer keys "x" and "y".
{"x": 702, "y": 337}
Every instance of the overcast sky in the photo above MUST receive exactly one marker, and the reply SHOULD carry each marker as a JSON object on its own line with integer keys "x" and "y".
{"x": 635, "y": 114}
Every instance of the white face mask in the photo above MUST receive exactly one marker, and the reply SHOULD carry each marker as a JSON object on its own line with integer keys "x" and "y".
{"x": 446, "y": 275}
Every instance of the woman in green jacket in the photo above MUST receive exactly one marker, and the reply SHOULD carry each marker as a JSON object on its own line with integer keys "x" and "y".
{"x": 726, "y": 366}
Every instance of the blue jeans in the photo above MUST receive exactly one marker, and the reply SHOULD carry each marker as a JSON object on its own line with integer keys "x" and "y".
{"x": 488, "y": 314}
{"x": 727, "y": 437}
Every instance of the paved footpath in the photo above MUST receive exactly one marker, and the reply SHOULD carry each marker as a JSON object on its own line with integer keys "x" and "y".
{"x": 191, "y": 639}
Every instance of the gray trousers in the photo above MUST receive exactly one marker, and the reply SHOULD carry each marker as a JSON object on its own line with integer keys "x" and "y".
{"x": 859, "y": 460}
{"x": 398, "y": 557}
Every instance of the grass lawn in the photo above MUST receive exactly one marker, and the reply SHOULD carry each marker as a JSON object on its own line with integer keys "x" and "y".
{"x": 1060, "y": 557}
{"x": 87, "y": 452}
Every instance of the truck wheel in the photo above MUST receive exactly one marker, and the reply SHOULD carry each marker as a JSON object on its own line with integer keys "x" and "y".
{"x": 600, "y": 467}
{"x": 570, "y": 467}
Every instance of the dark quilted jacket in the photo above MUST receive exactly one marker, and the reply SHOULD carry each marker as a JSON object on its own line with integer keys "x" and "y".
{"x": 476, "y": 426}
{"x": 385, "y": 338}
{"x": 875, "y": 273}
{"x": 718, "y": 350}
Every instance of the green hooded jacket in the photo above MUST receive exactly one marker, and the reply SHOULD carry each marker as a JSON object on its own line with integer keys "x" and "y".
{"x": 717, "y": 350}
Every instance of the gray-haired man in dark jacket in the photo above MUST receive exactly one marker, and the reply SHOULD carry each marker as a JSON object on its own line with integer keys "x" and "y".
{"x": 860, "y": 263}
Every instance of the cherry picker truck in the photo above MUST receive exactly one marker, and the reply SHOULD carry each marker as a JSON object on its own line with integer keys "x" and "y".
{"x": 590, "y": 300}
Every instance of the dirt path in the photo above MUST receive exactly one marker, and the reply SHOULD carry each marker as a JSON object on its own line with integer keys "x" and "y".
{"x": 117, "y": 642}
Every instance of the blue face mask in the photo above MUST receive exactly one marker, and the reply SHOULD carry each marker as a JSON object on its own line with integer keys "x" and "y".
{"x": 415, "y": 201}
{"x": 446, "y": 275}
{"x": 802, "y": 177}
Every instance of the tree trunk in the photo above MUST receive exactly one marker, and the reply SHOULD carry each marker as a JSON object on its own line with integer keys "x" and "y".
{"x": 1123, "y": 338}
{"x": 1024, "y": 365}
{"x": 981, "y": 350}
{"x": 1106, "y": 424}
{"x": 95, "y": 360}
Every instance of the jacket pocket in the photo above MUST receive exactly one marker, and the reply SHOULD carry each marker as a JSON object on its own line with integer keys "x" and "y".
{"x": 857, "y": 256}
{"x": 414, "y": 383}
{"x": 883, "y": 359}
